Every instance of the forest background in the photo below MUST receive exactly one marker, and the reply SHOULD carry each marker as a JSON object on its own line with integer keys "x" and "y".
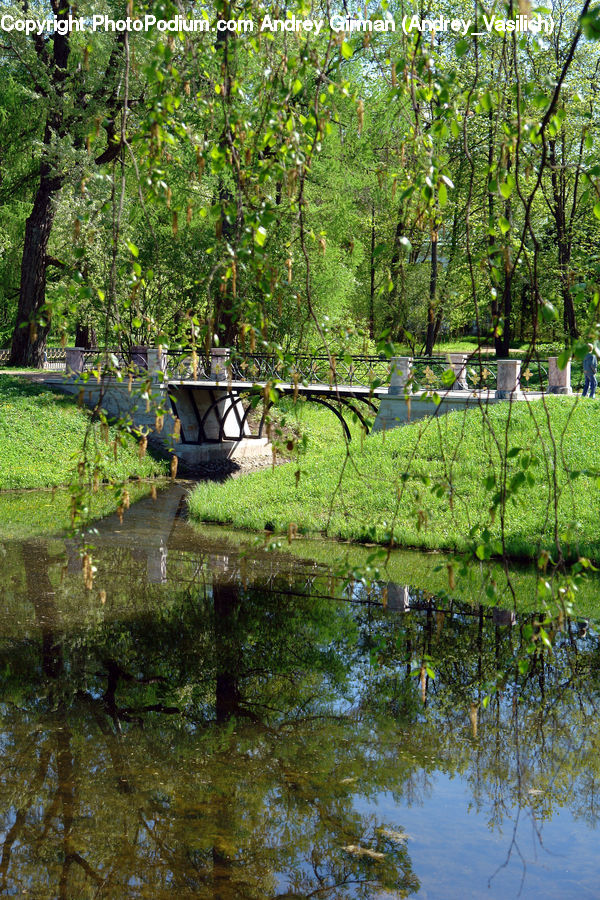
{"x": 292, "y": 191}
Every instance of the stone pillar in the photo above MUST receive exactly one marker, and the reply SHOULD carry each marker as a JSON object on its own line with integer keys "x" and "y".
{"x": 458, "y": 363}
{"x": 401, "y": 369}
{"x": 559, "y": 380}
{"x": 74, "y": 360}
{"x": 509, "y": 373}
{"x": 219, "y": 360}
{"x": 157, "y": 362}
{"x": 398, "y": 597}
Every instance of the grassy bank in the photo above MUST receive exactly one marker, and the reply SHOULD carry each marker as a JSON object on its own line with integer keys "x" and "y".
{"x": 432, "y": 482}
{"x": 41, "y": 435}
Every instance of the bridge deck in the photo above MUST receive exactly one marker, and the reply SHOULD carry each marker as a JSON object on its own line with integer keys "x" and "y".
{"x": 286, "y": 387}
{"x": 349, "y": 390}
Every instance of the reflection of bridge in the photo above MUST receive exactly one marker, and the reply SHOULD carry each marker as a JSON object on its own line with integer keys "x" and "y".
{"x": 176, "y": 555}
{"x": 221, "y": 401}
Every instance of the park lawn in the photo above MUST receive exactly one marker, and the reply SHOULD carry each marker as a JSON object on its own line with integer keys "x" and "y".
{"x": 425, "y": 482}
{"x": 41, "y": 436}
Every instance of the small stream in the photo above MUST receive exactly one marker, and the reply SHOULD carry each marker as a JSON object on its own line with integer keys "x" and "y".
{"x": 224, "y": 720}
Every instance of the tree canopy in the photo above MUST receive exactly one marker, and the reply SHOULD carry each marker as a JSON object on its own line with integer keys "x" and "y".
{"x": 298, "y": 188}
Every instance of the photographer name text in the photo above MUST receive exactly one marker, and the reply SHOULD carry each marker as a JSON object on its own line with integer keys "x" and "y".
{"x": 62, "y": 25}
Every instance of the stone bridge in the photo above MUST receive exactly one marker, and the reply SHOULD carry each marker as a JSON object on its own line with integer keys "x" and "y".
{"x": 221, "y": 401}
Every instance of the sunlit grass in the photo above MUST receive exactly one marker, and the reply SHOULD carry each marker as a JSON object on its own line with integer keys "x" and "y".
{"x": 426, "y": 482}
{"x": 41, "y": 437}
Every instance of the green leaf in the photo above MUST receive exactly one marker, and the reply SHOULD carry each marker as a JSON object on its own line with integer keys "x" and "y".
{"x": 443, "y": 194}
{"x": 507, "y": 187}
{"x": 504, "y": 224}
{"x": 486, "y": 101}
{"x": 346, "y": 50}
{"x": 297, "y": 86}
{"x": 597, "y": 210}
{"x": 591, "y": 24}
{"x": 260, "y": 236}
{"x": 517, "y": 481}
{"x": 549, "y": 312}
{"x": 545, "y": 638}
{"x": 461, "y": 47}
{"x": 133, "y": 249}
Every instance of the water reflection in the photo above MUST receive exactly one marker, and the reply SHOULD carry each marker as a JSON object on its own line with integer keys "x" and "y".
{"x": 223, "y": 727}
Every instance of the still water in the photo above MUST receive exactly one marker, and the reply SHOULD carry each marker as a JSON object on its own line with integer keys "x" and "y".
{"x": 226, "y": 724}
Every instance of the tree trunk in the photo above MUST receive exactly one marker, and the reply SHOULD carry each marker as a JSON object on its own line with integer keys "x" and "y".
{"x": 431, "y": 317}
{"x": 225, "y": 303}
{"x": 226, "y": 600}
{"x": 29, "y": 337}
{"x": 397, "y": 299}
{"x": 502, "y": 342}
{"x": 372, "y": 293}
{"x": 85, "y": 336}
{"x": 523, "y": 312}
{"x": 559, "y": 196}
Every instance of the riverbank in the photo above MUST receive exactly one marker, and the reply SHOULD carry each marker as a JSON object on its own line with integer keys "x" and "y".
{"x": 42, "y": 434}
{"x": 432, "y": 484}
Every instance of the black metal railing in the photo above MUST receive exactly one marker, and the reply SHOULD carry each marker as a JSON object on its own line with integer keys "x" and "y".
{"x": 55, "y": 358}
{"x": 302, "y": 367}
{"x": 429, "y": 373}
{"x": 184, "y": 365}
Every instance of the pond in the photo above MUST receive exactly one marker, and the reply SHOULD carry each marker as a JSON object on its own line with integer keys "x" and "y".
{"x": 225, "y": 720}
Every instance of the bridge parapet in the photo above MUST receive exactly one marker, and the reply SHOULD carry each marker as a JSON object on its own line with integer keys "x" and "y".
{"x": 473, "y": 372}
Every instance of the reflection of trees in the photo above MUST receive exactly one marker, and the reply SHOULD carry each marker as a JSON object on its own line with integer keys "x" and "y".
{"x": 195, "y": 748}
{"x": 535, "y": 746}
{"x": 216, "y": 740}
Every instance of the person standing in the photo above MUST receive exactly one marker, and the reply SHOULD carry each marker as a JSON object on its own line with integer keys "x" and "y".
{"x": 590, "y": 367}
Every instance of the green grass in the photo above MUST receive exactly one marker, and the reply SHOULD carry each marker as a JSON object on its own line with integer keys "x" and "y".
{"x": 41, "y": 436}
{"x": 443, "y": 501}
{"x": 28, "y": 514}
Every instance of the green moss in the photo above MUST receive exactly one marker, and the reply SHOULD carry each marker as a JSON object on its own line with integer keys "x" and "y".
{"x": 426, "y": 483}
{"x": 42, "y": 434}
